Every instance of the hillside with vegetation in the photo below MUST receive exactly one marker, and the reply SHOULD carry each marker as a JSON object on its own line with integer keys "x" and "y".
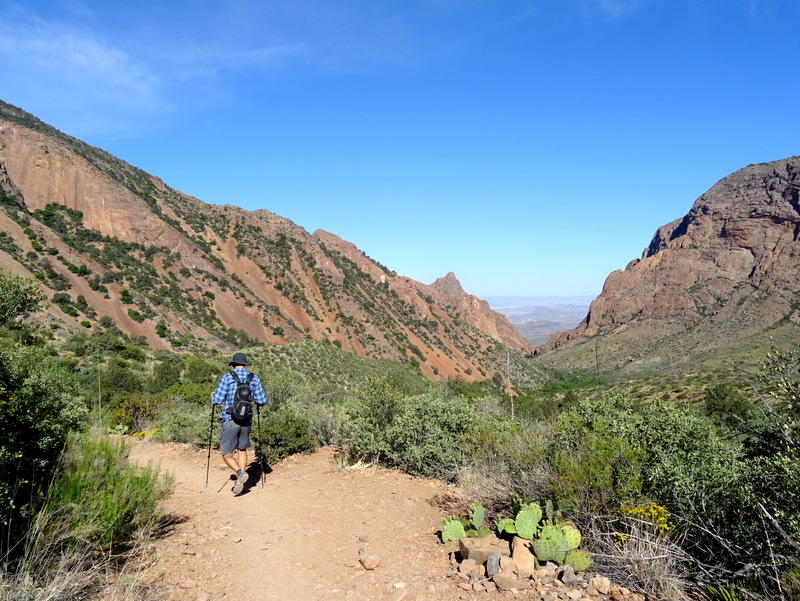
{"x": 672, "y": 499}
{"x": 112, "y": 244}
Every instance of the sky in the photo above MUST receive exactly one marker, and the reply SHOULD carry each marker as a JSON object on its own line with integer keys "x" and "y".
{"x": 529, "y": 146}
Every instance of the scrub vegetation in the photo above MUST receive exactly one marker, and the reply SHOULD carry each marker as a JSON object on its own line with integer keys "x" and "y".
{"x": 680, "y": 488}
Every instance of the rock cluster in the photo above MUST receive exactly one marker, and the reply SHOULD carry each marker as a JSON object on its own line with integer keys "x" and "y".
{"x": 491, "y": 564}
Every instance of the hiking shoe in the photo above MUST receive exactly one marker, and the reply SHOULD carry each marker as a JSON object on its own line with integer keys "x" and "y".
{"x": 241, "y": 478}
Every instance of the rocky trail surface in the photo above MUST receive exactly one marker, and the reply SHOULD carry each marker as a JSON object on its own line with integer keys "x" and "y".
{"x": 310, "y": 529}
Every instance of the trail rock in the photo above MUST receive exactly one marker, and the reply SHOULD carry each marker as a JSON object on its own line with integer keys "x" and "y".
{"x": 567, "y": 575}
{"x": 493, "y": 564}
{"x": 467, "y": 566}
{"x": 508, "y": 582}
{"x": 601, "y": 584}
{"x": 370, "y": 562}
{"x": 523, "y": 557}
{"x": 480, "y": 549}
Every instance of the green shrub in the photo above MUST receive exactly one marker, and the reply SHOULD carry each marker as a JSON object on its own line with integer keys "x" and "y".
{"x": 39, "y": 407}
{"x": 19, "y": 297}
{"x": 120, "y": 378}
{"x": 420, "y": 434}
{"x": 282, "y": 433}
{"x": 187, "y": 423}
{"x": 133, "y": 411}
{"x": 200, "y": 371}
{"x": 107, "y": 499}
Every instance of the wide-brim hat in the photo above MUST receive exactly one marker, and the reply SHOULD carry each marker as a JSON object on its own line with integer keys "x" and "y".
{"x": 239, "y": 359}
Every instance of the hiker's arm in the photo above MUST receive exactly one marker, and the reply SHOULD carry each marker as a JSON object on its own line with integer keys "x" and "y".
{"x": 259, "y": 396}
{"x": 218, "y": 396}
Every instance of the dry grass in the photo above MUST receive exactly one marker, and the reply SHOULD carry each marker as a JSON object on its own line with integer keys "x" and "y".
{"x": 58, "y": 564}
{"x": 632, "y": 552}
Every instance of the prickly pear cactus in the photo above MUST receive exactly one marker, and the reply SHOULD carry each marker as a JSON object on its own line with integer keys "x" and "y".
{"x": 478, "y": 515}
{"x": 453, "y": 530}
{"x": 572, "y": 535}
{"x": 506, "y": 525}
{"x": 578, "y": 560}
{"x": 527, "y": 521}
{"x": 549, "y": 511}
{"x": 551, "y": 545}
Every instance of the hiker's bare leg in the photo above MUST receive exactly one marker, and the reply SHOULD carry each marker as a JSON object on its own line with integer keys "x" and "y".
{"x": 242, "y": 457}
{"x": 230, "y": 462}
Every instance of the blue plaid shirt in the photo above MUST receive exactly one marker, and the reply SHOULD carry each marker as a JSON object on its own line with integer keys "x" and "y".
{"x": 227, "y": 388}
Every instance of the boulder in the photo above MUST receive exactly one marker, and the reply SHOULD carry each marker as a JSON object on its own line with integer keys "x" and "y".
{"x": 480, "y": 549}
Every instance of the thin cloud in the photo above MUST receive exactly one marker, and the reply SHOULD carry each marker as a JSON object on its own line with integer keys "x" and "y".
{"x": 615, "y": 9}
{"x": 71, "y": 61}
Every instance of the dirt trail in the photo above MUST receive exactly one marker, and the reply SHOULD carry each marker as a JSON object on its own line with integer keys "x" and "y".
{"x": 297, "y": 536}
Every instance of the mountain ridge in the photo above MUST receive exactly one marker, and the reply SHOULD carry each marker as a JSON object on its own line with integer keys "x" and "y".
{"x": 182, "y": 273}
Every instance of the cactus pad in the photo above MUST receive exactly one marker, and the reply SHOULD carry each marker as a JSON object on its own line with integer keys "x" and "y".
{"x": 478, "y": 515}
{"x": 453, "y": 530}
{"x": 527, "y": 521}
{"x": 578, "y": 560}
{"x": 551, "y": 545}
{"x": 572, "y": 536}
{"x": 506, "y": 525}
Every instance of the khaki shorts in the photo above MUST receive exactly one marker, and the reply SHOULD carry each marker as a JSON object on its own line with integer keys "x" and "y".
{"x": 234, "y": 436}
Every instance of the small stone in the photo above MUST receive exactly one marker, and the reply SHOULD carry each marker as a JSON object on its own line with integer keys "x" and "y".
{"x": 574, "y": 595}
{"x": 399, "y": 585}
{"x": 507, "y": 564}
{"x": 567, "y": 575}
{"x": 364, "y": 538}
{"x": 524, "y": 559}
{"x": 188, "y": 583}
{"x": 478, "y": 587}
{"x": 507, "y": 582}
{"x": 398, "y": 595}
{"x": 369, "y": 562}
{"x": 490, "y": 586}
{"x": 465, "y": 586}
{"x": 467, "y": 566}
{"x": 493, "y": 564}
{"x": 601, "y": 584}
{"x": 480, "y": 549}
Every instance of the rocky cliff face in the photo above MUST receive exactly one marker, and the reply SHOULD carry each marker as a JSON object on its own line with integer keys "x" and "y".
{"x": 728, "y": 270}
{"x": 109, "y": 241}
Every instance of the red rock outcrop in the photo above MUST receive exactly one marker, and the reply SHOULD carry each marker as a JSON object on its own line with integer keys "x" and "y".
{"x": 728, "y": 270}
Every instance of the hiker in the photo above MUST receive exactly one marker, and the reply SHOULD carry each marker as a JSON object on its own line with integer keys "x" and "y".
{"x": 236, "y": 430}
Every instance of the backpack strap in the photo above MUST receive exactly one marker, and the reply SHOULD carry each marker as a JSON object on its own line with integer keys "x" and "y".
{"x": 236, "y": 377}
{"x": 249, "y": 378}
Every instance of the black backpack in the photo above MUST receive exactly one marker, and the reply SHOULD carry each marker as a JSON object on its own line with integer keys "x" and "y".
{"x": 242, "y": 409}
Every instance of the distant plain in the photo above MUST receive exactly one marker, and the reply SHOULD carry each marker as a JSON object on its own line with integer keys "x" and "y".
{"x": 538, "y": 317}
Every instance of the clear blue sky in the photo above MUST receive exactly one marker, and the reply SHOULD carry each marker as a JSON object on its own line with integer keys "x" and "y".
{"x": 529, "y": 146}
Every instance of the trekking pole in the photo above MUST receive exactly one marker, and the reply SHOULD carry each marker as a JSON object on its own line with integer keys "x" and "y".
{"x": 210, "y": 432}
{"x": 260, "y": 444}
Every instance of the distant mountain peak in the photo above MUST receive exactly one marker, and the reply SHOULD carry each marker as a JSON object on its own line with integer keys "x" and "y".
{"x": 449, "y": 285}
